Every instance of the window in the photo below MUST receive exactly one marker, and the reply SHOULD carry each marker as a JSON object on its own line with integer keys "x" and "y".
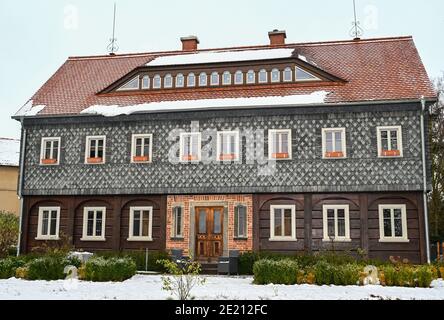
{"x": 288, "y": 74}
{"x": 133, "y": 84}
{"x": 389, "y": 141}
{"x": 94, "y": 224}
{"x": 240, "y": 221}
{"x": 392, "y": 223}
{"x": 263, "y": 76}
{"x": 190, "y": 146}
{"x": 333, "y": 143}
{"x": 226, "y": 78}
{"x": 279, "y": 144}
{"x": 275, "y": 75}
{"x": 157, "y": 82}
{"x": 228, "y": 145}
{"x": 50, "y": 151}
{"x": 282, "y": 223}
{"x": 48, "y": 223}
{"x": 203, "y": 79}
{"x": 168, "y": 81}
{"x": 191, "y": 80}
{"x": 214, "y": 79}
{"x": 179, "y": 80}
{"x": 251, "y": 76}
{"x": 140, "y": 224}
{"x": 95, "y": 149}
{"x": 177, "y": 225}
{"x": 239, "y": 77}
{"x": 141, "y": 148}
{"x": 336, "y": 223}
{"x": 302, "y": 75}
{"x": 145, "y": 82}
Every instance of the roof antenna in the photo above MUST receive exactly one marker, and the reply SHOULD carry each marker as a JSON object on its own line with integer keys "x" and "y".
{"x": 356, "y": 30}
{"x": 113, "y": 47}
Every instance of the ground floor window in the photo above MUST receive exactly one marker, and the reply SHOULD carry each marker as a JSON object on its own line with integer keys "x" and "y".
{"x": 48, "y": 223}
{"x": 336, "y": 223}
{"x": 177, "y": 230}
{"x": 282, "y": 222}
{"x": 94, "y": 223}
{"x": 393, "y": 223}
{"x": 140, "y": 224}
{"x": 240, "y": 221}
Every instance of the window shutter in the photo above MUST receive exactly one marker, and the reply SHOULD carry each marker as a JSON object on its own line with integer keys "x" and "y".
{"x": 236, "y": 221}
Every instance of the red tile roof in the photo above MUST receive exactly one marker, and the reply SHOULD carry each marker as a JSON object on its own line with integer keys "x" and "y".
{"x": 374, "y": 70}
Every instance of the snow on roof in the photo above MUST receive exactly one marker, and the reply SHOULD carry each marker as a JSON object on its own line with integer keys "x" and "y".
{"x": 9, "y": 152}
{"x": 221, "y": 56}
{"x": 316, "y": 97}
{"x": 29, "y": 109}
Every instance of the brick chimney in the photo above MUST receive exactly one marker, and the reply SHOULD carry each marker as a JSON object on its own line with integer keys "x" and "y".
{"x": 277, "y": 37}
{"x": 189, "y": 43}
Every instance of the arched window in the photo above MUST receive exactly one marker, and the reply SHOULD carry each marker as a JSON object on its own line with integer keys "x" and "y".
{"x": 179, "y": 80}
{"x": 288, "y": 74}
{"x": 214, "y": 79}
{"x": 157, "y": 81}
{"x": 239, "y": 77}
{"x": 226, "y": 78}
{"x": 263, "y": 76}
{"x": 191, "y": 80}
{"x": 251, "y": 76}
{"x": 146, "y": 82}
{"x": 168, "y": 81}
{"x": 202, "y": 79}
{"x": 275, "y": 75}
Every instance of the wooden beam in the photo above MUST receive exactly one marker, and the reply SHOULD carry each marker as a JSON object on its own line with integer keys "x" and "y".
{"x": 256, "y": 235}
{"x": 308, "y": 206}
{"x": 422, "y": 240}
{"x": 117, "y": 214}
{"x": 363, "y": 209}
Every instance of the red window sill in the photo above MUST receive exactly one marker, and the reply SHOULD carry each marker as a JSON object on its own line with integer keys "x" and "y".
{"x": 228, "y": 156}
{"x": 94, "y": 160}
{"x": 280, "y": 155}
{"x": 49, "y": 161}
{"x": 390, "y": 153}
{"x": 334, "y": 154}
{"x": 189, "y": 158}
{"x": 140, "y": 158}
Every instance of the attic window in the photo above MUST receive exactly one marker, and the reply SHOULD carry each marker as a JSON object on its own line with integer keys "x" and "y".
{"x": 302, "y": 75}
{"x": 133, "y": 84}
{"x": 168, "y": 81}
{"x": 145, "y": 82}
{"x": 179, "y": 80}
{"x": 238, "y": 77}
{"x": 157, "y": 81}
{"x": 275, "y": 75}
{"x": 263, "y": 76}
{"x": 287, "y": 74}
{"x": 214, "y": 79}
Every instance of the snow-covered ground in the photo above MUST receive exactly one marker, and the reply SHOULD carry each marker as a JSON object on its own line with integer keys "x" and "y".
{"x": 216, "y": 287}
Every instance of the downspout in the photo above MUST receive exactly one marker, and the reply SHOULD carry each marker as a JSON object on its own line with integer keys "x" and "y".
{"x": 20, "y": 184}
{"x": 424, "y": 178}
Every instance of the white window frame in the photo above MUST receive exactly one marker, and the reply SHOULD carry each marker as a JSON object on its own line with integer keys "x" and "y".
{"x": 262, "y": 71}
{"x": 168, "y": 75}
{"x": 291, "y": 75}
{"x": 393, "y": 238}
{"x": 188, "y": 79}
{"x": 335, "y": 207}
{"x": 41, "y": 236}
{"x": 181, "y": 149}
{"x": 236, "y": 232}
{"x": 133, "y": 147}
{"x": 179, "y": 75}
{"x": 129, "y": 89}
{"x": 223, "y": 78}
{"x": 220, "y": 134}
{"x": 271, "y": 132}
{"x": 131, "y": 236}
{"x": 85, "y": 236}
{"x": 278, "y": 75}
{"x": 303, "y": 80}
{"x": 43, "y": 150}
{"x": 254, "y": 77}
{"x": 242, "y": 77}
{"x": 201, "y": 84}
{"x": 149, "y": 82}
{"x": 273, "y": 237}
{"x": 157, "y": 76}
{"x": 379, "y": 143}
{"x": 88, "y": 145}
{"x": 216, "y": 83}
{"x": 174, "y": 222}
{"x": 343, "y": 142}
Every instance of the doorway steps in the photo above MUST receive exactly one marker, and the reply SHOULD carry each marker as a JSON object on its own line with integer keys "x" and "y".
{"x": 208, "y": 267}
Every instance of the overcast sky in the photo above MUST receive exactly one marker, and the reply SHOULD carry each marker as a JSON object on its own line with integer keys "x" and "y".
{"x": 36, "y": 37}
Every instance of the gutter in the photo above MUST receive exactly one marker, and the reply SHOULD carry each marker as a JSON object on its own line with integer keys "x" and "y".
{"x": 20, "y": 184}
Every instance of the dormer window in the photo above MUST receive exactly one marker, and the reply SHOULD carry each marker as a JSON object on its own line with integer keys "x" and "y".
{"x": 275, "y": 75}
{"x": 251, "y": 76}
{"x": 263, "y": 76}
{"x": 133, "y": 84}
{"x": 145, "y": 82}
{"x": 191, "y": 80}
{"x": 202, "y": 79}
{"x": 179, "y": 80}
{"x": 288, "y": 74}
{"x": 239, "y": 77}
{"x": 168, "y": 81}
{"x": 302, "y": 75}
{"x": 226, "y": 78}
{"x": 157, "y": 81}
{"x": 214, "y": 79}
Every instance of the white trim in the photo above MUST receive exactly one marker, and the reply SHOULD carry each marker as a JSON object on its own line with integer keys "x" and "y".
{"x": 149, "y": 82}
{"x": 302, "y": 80}
{"x": 211, "y": 78}
{"x": 242, "y": 74}
{"x": 133, "y": 147}
{"x": 236, "y": 144}
{"x": 251, "y": 71}
{"x": 263, "y": 71}
{"x": 48, "y": 236}
{"x": 278, "y": 73}
{"x": 291, "y": 74}
{"x": 223, "y": 78}
{"x": 206, "y": 80}
{"x": 244, "y": 236}
{"x": 129, "y": 89}
{"x": 188, "y": 77}
{"x": 177, "y": 77}
{"x": 293, "y": 223}
{"x": 131, "y": 224}
{"x": 174, "y": 222}
{"x": 43, "y": 149}
{"x": 335, "y": 207}
{"x": 393, "y": 238}
{"x": 85, "y": 236}
{"x": 399, "y": 136}
{"x": 271, "y": 132}
{"x": 169, "y": 75}
{"x": 343, "y": 142}
{"x": 157, "y": 76}
{"x": 88, "y": 145}
{"x": 182, "y": 135}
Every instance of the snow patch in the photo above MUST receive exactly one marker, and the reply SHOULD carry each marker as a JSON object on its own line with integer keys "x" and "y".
{"x": 29, "y": 109}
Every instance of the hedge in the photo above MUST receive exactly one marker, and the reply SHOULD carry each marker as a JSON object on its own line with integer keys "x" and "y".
{"x": 139, "y": 258}
{"x": 9, "y": 266}
{"x": 275, "y": 271}
{"x": 50, "y": 267}
{"x": 111, "y": 269}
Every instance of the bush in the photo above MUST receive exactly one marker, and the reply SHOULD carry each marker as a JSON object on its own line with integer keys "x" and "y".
{"x": 9, "y": 226}
{"x": 9, "y": 266}
{"x": 347, "y": 274}
{"x": 50, "y": 267}
{"x": 283, "y": 271}
{"x": 323, "y": 272}
{"x": 139, "y": 258}
{"x": 424, "y": 276}
{"x": 111, "y": 269}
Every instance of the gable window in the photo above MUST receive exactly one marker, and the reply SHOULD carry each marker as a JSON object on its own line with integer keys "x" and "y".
{"x": 251, "y": 76}
{"x": 302, "y": 75}
{"x": 228, "y": 145}
{"x": 145, "y": 82}
{"x": 282, "y": 223}
{"x": 214, "y": 79}
{"x": 141, "y": 148}
{"x": 202, "y": 79}
{"x": 48, "y": 223}
{"x": 279, "y": 144}
{"x": 275, "y": 75}
{"x": 191, "y": 80}
{"x": 336, "y": 222}
{"x": 133, "y": 84}
{"x": 263, "y": 77}
{"x": 177, "y": 226}
{"x": 333, "y": 143}
{"x": 392, "y": 223}
{"x": 190, "y": 146}
{"x": 239, "y": 77}
{"x": 240, "y": 221}
{"x": 94, "y": 224}
{"x": 389, "y": 141}
{"x": 226, "y": 78}
{"x": 95, "y": 149}
{"x": 179, "y": 80}
{"x": 50, "y": 151}
{"x": 288, "y": 74}
{"x": 157, "y": 82}
{"x": 140, "y": 224}
{"x": 168, "y": 81}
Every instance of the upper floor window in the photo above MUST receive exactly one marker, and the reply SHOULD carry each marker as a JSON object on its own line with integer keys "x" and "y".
{"x": 214, "y": 79}
{"x": 333, "y": 143}
{"x": 140, "y": 224}
{"x": 177, "y": 225}
{"x": 145, "y": 82}
{"x": 133, "y": 84}
{"x": 240, "y": 221}
{"x": 392, "y": 223}
{"x": 50, "y": 151}
{"x": 263, "y": 77}
{"x": 228, "y": 145}
{"x": 239, "y": 77}
{"x": 226, "y": 78}
{"x": 191, "y": 80}
{"x": 48, "y": 223}
{"x": 282, "y": 222}
{"x": 94, "y": 224}
{"x": 275, "y": 75}
{"x": 251, "y": 76}
{"x": 157, "y": 82}
{"x": 179, "y": 80}
{"x": 336, "y": 222}
{"x": 389, "y": 141}
{"x": 190, "y": 146}
{"x": 288, "y": 74}
{"x": 202, "y": 79}
{"x": 168, "y": 81}
{"x": 141, "y": 148}
{"x": 279, "y": 144}
{"x": 302, "y": 75}
{"x": 95, "y": 149}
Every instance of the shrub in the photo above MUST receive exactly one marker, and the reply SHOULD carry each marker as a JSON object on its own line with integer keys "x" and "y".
{"x": 112, "y": 269}
{"x": 9, "y": 266}
{"x": 22, "y": 273}
{"x": 424, "y": 276}
{"x": 347, "y": 274}
{"x": 138, "y": 256}
{"x": 283, "y": 271}
{"x": 323, "y": 272}
{"x": 9, "y": 226}
{"x": 50, "y": 267}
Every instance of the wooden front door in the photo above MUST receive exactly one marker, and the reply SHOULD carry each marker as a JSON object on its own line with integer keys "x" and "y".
{"x": 209, "y": 232}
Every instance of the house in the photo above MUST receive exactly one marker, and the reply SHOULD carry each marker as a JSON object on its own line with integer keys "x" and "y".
{"x": 9, "y": 172}
{"x": 280, "y": 147}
